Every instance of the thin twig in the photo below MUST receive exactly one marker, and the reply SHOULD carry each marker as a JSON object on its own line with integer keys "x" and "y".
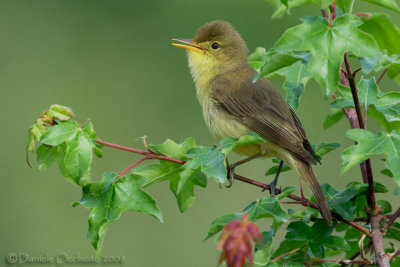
{"x": 362, "y": 15}
{"x": 381, "y": 76}
{"x": 373, "y": 211}
{"x": 288, "y": 253}
{"x": 135, "y": 164}
{"x": 350, "y": 77}
{"x": 137, "y": 151}
{"x": 393, "y": 218}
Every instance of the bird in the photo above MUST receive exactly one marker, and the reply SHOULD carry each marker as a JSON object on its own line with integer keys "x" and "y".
{"x": 235, "y": 105}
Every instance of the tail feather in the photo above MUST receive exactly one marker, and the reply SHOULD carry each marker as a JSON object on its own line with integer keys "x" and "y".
{"x": 306, "y": 172}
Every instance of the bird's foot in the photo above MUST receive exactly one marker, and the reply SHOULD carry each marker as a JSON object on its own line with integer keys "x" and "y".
{"x": 272, "y": 188}
{"x": 230, "y": 174}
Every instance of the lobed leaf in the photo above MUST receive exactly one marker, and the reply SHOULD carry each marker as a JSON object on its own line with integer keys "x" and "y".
{"x": 78, "y": 156}
{"x": 228, "y": 143}
{"x": 370, "y": 144}
{"x": 328, "y": 45}
{"x": 297, "y": 77}
{"x": 60, "y": 133}
{"x": 317, "y": 236}
{"x": 385, "y": 107}
{"x": 109, "y": 198}
{"x": 182, "y": 180}
{"x": 281, "y": 8}
{"x": 210, "y": 160}
{"x": 267, "y": 207}
{"x": 171, "y": 149}
{"x": 389, "y": 4}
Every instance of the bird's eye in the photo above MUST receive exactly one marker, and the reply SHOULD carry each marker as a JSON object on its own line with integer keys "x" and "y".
{"x": 214, "y": 46}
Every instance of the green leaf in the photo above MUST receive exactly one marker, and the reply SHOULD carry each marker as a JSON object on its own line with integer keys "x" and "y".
{"x": 211, "y": 160}
{"x": 330, "y": 264}
{"x": 384, "y": 31}
{"x": 370, "y": 144}
{"x": 332, "y": 118}
{"x": 317, "y": 250}
{"x": 387, "y": 104}
{"x": 380, "y": 117}
{"x": 89, "y": 130}
{"x": 218, "y": 223}
{"x": 368, "y": 63}
{"x": 171, "y": 149}
{"x": 337, "y": 242}
{"x": 34, "y": 134}
{"x": 316, "y": 236}
{"x": 387, "y": 172}
{"x": 285, "y": 192}
{"x": 297, "y": 76}
{"x": 60, "y": 133}
{"x": 345, "y": 5}
{"x": 78, "y": 156}
{"x": 386, "y": 35}
{"x": 393, "y": 232}
{"x": 97, "y": 152}
{"x": 182, "y": 181}
{"x": 263, "y": 256}
{"x": 267, "y": 207}
{"x": 257, "y": 58}
{"x": 324, "y": 148}
{"x": 281, "y": 8}
{"x": 46, "y": 156}
{"x": 292, "y": 66}
{"x": 229, "y": 143}
{"x": 276, "y": 61}
{"x": 274, "y": 169}
{"x": 288, "y": 245}
{"x": 108, "y": 198}
{"x": 158, "y": 172}
{"x": 344, "y": 201}
{"x": 59, "y": 112}
{"x": 389, "y": 4}
{"x": 184, "y": 191}
{"x": 328, "y": 45}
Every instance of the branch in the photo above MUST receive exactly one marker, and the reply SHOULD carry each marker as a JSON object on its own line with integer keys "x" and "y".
{"x": 288, "y": 253}
{"x": 350, "y": 77}
{"x": 373, "y": 211}
{"x": 133, "y": 165}
{"x": 381, "y": 76}
{"x": 393, "y": 218}
{"x": 137, "y": 151}
{"x": 299, "y": 200}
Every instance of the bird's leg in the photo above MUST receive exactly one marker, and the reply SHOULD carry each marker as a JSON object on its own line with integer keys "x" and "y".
{"x": 272, "y": 185}
{"x": 231, "y": 167}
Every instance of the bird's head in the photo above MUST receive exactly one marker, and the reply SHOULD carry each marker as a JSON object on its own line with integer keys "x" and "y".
{"x": 216, "y": 48}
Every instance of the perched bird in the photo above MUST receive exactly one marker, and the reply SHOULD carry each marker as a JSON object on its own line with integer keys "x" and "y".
{"x": 233, "y": 105}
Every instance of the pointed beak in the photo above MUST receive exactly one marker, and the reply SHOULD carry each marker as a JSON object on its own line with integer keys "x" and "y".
{"x": 187, "y": 44}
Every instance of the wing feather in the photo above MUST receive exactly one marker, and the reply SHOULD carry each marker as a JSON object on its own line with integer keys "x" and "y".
{"x": 263, "y": 110}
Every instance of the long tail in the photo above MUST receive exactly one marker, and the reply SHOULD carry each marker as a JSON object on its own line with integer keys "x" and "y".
{"x": 306, "y": 172}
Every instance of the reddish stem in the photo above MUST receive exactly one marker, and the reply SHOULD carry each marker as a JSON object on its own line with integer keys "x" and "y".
{"x": 381, "y": 76}
{"x": 362, "y": 15}
{"x": 137, "y": 151}
{"x": 393, "y": 218}
{"x": 135, "y": 164}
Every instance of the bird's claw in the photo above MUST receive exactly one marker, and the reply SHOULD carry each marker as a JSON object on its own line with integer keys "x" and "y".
{"x": 272, "y": 188}
{"x": 230, "y": 174}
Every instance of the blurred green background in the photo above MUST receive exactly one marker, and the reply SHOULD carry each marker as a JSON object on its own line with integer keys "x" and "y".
{"x": 112, "y": 61}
